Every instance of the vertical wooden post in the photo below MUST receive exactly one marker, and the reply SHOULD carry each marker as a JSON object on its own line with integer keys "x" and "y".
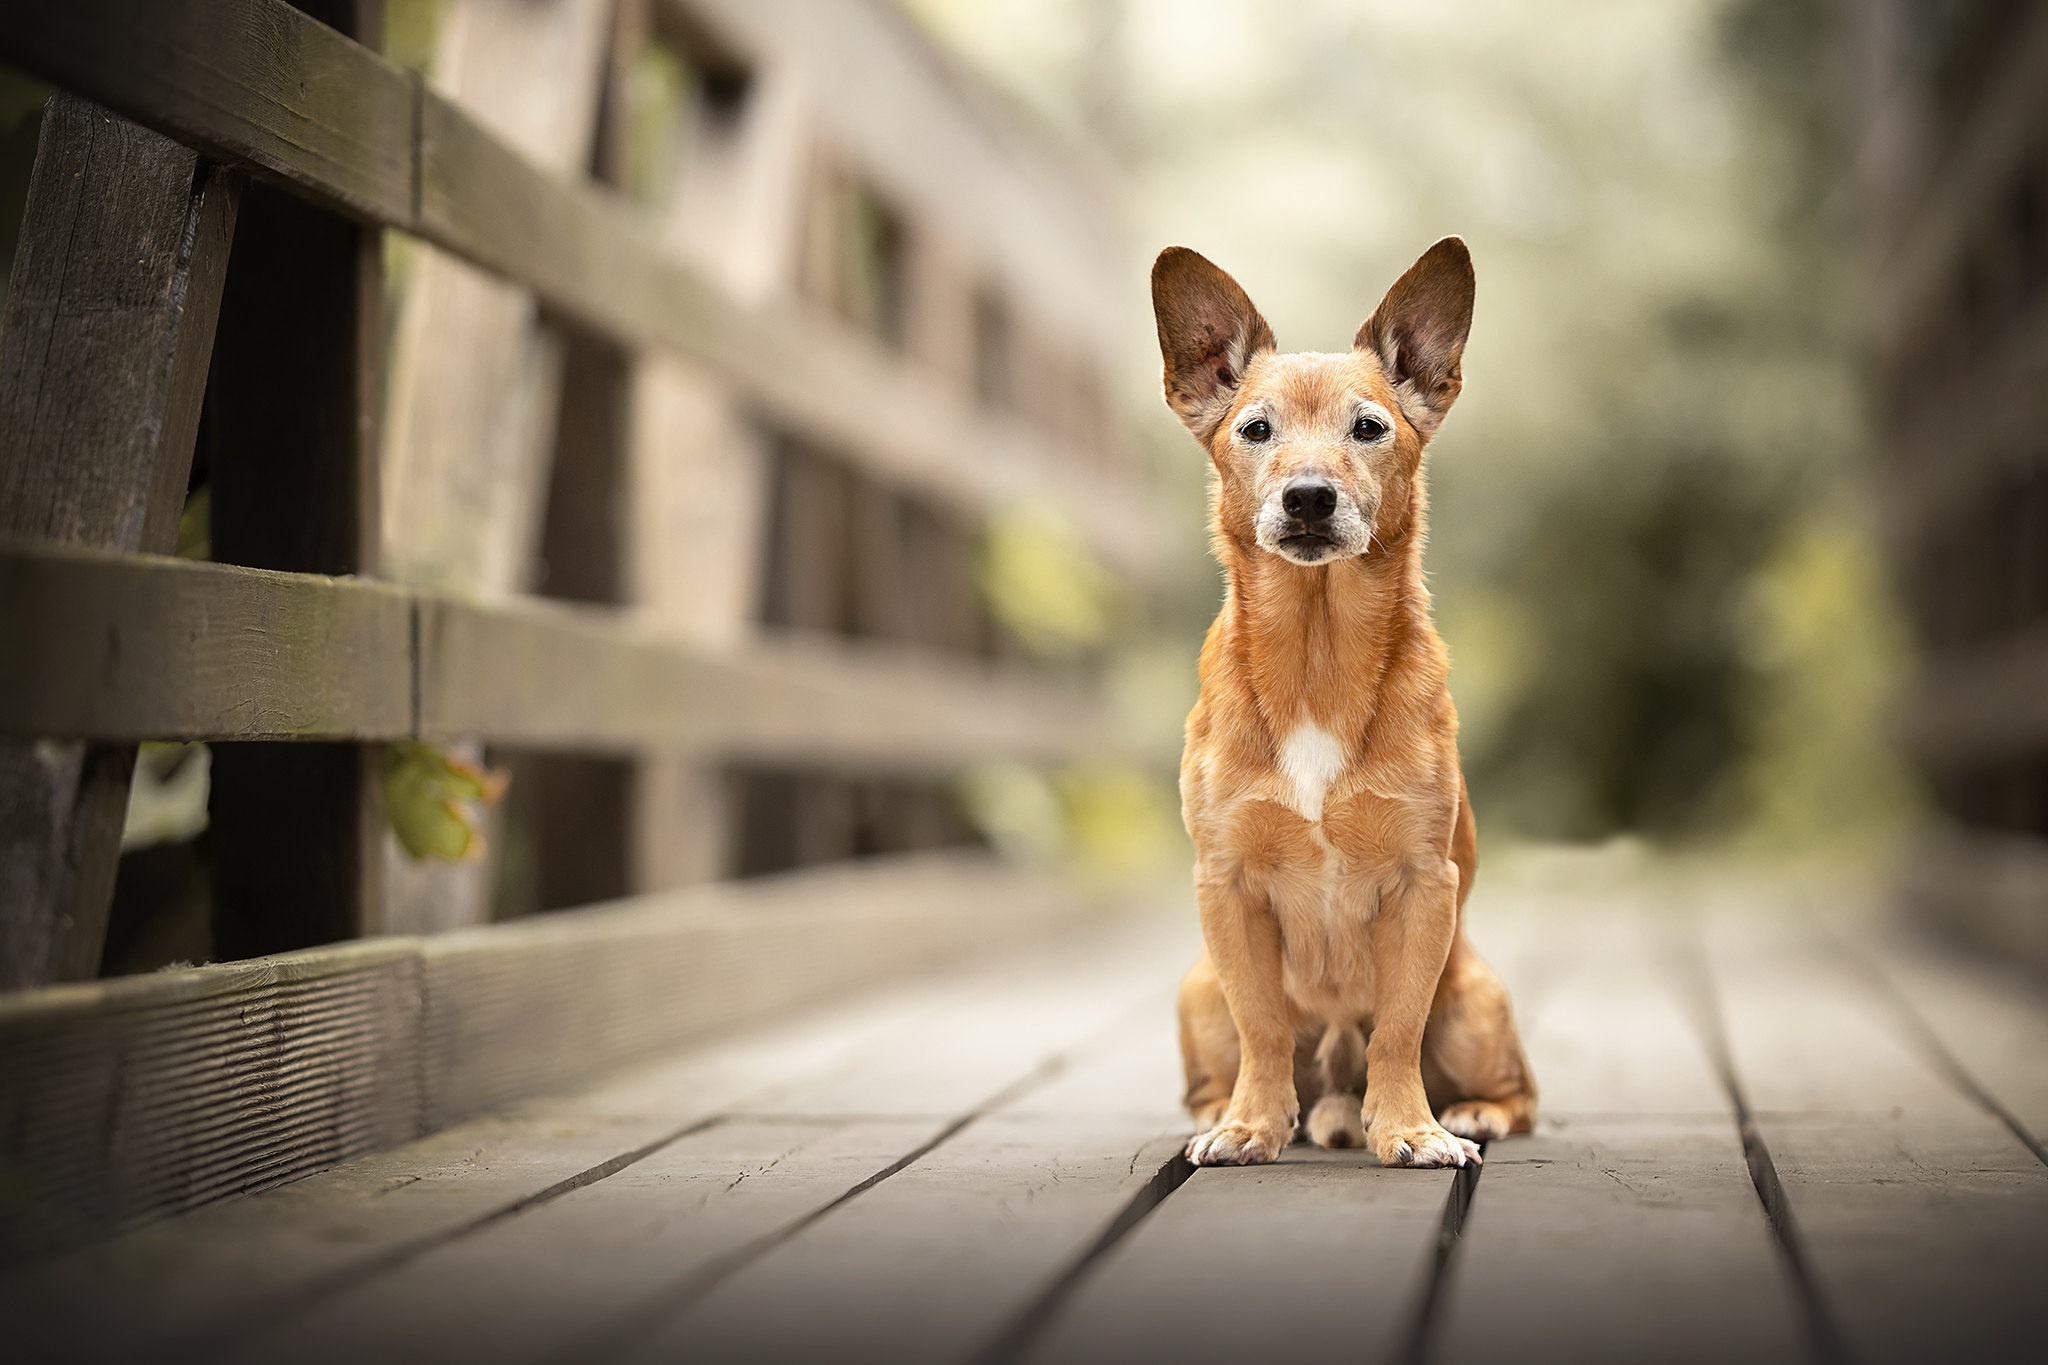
{"x": 699, "y": 468}
{"x": 104, "y": 343}
{"x": 294, "y": 411}
{"x": 476, "y": 372}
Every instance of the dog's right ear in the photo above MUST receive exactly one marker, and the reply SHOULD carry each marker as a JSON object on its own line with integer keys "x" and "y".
{"x": 1208, "y": 333}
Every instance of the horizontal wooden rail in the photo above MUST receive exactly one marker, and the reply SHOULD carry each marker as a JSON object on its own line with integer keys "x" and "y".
{"x": 109, "y": 646}
{"x": 1966, "y": 193}
{"x": 261, "y": 84}
{"x": 141, "y": 1096}
{"x": 1984, "y": 702}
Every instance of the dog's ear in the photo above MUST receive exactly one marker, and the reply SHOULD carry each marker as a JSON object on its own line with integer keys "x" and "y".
{"x": 1208, "y": 333}
{"x": 1418, "y": 332}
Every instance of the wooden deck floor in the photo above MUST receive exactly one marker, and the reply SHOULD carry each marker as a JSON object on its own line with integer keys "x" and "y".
{"x": 1773, "y": 1130}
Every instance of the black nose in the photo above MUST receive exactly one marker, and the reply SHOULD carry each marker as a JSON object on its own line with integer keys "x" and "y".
{"x": 1309, "y": 499}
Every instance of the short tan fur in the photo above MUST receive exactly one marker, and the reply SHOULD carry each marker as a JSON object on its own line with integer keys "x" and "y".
{"x": 1334, "y": 842}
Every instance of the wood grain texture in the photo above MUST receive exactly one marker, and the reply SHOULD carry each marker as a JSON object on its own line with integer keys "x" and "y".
{"x": 577, "y": 245}
{"x": 119, "y": 647}
{"x": 215, "y": 1275}
{"x": 158, "y": 1093}
{"x": 104, "y": 341}
{"x": 1626, "y": 1228}
{"x": 148, "y": 1095}
{"x": 249, "y": 80}
{"x": 1924, "y": 1218}
{"x": 1359, "y": 1243}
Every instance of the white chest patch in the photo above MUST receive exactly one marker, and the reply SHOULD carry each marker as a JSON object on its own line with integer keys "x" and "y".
{"x": 1311, "y": 758}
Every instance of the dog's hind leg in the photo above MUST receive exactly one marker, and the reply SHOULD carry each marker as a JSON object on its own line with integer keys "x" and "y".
{"x": 1472, "y": 1059}
{"x": 1333, "y": 1121}
{"x": 1208, "y": 1045}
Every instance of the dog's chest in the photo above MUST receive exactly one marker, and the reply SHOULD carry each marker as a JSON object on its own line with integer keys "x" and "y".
{"x": 1311, "y": 761}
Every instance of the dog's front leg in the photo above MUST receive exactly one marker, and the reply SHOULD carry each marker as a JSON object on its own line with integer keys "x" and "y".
{"x": 1411, "y": 938}
{"x": 1244, "y": 944}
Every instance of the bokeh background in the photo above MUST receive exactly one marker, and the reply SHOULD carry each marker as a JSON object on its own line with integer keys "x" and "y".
{"x": 1653, "y": 546}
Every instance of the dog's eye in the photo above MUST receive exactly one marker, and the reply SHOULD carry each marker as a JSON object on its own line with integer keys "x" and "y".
{"x": 1368, "y": 429}
{"x": 1258, "y": 429}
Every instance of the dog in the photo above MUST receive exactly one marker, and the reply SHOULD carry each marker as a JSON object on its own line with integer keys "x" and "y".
{"x": 1334, "y": 840}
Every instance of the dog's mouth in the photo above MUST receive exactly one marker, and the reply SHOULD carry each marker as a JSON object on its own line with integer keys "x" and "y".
{"x": 1308, "y": 547}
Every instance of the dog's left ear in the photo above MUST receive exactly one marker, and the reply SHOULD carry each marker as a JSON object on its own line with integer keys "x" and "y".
{"x": 1418, "y": 332}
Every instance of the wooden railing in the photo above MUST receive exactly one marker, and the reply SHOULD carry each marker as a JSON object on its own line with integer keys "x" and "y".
{"x": 190, "y": 113}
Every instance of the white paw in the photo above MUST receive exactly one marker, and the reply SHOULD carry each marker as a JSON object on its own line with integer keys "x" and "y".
{"x": 1475, "y": 1119}
{"x": 1431, "y": 1146}
{"x": 1236, "y": 1144}
{"x": 1334, "y": 1122}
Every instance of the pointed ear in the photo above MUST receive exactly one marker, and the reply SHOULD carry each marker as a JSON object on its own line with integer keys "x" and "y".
{"x": 1418, "y": 332}
{"x": 1208, "y": 333}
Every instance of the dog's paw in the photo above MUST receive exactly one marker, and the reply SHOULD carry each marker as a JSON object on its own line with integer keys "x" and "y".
{"x": 1334, "y": 1122}
{"x": 1237, "y": 1144}
{"x": 1480, "y": 1120}
{"x": 1427, "y": 1145}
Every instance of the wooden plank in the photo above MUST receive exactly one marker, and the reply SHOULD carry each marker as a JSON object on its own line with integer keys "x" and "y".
{"x": 133, "y": 647}
{"x": 543, "y": 675}
{"x": 1986, "y": 1018}
{"x": 121, "y": 647}
{"x": 1984, "y": 888}
{"x": 937, "y": 1261}
{"x": 1358, "y": 1247}
{"x": 147, "y": 1095}
{"x": 1967, "y": 190}
{"x": 161, "y": 1092}
{"x": 108, "y": 323}
{"x": 605, "y": 1264}
{"x": 584, "y": 250}
{"x": 250, "y": 80}
{"x": 1984, "y": 702}
{"x": 1626, "y": 1227}
{"x": 1923, "y": 1218}
{"x": 296, "y": 831}
{"x": 932, "y": 144}
{"x": 224, "y": 1272}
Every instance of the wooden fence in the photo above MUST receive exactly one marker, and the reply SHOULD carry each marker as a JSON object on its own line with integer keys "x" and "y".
{"x": 652, "y": 460}
{"x": 1957, "y": 177}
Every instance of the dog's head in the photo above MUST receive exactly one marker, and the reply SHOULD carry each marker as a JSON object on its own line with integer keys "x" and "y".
{"x": 1316, "y": 455}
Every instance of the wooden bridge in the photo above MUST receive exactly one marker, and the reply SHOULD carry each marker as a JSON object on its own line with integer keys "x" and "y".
{"x": 1775, "y": 1130}
{"x": 619, "y": 396}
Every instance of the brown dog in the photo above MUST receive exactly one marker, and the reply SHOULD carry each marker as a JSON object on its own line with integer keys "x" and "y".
{"x": 1333, "y": 839}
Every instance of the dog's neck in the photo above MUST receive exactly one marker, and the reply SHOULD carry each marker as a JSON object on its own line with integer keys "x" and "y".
{"x": 1319, "y": 645}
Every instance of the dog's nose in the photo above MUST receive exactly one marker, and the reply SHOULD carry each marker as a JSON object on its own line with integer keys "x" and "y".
{"x": 1309, "y": 499}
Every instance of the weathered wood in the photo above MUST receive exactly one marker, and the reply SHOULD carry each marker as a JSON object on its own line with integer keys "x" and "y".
{"x": 157, "y": 1093}
{"x": 119, "y": 647}
{"x": 1983, "y": 888}
{"x": 582, "y": 249}
{"x": 1967, "y": 189}
{"x": 1987, "y": 1019}
{"x": 936, "y": 1262}
{"x": 152, "y": 1094}
{"x": 228, "y": 1271}
{"x": 1924, "y": 1219}
{"x": 612, "y": 1265}
{"x": 1359, "y": 1244}
{"x": 250, "y": 80}
{"x": 1626, "y": 1228}
{"x": 108, "y": 324}
{"x": 297, "y": 831}
{"x": 1983, "y": 703}
{"x": 127, "y": 647}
